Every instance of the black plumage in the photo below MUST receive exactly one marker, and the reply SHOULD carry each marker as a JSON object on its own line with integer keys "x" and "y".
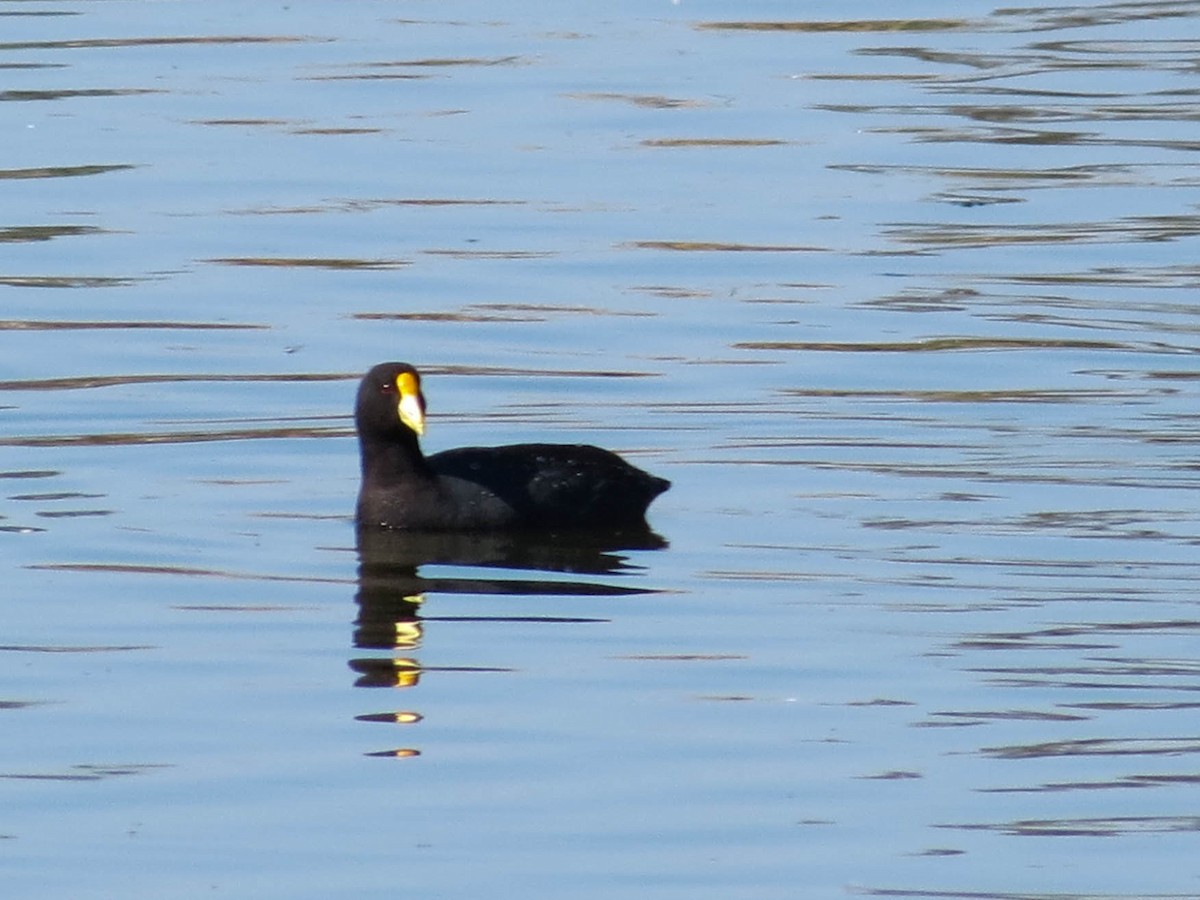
{"x": 521, "y": 486}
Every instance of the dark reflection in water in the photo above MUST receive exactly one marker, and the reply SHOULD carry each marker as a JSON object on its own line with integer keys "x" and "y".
{"x": 392, "y": 591}
{"x": 1090, "y": 827}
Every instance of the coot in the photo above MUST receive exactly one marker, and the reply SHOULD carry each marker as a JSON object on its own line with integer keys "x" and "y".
{"x": 522, "y": 486}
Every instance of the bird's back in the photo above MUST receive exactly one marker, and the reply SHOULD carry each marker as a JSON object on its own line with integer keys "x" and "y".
{"x": 561, "y": 485}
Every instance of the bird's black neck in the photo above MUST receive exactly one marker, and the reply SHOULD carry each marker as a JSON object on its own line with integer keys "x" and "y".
{"x": 394, "y": 459}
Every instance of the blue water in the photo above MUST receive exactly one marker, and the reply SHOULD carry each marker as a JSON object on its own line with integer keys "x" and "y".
{"x": 903, "y": 307}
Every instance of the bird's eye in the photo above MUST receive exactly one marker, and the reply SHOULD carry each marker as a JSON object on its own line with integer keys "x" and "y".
{"x": 387, "y": 387}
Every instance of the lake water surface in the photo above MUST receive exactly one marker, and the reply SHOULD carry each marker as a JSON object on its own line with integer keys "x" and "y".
{"x": 906, "y": 308}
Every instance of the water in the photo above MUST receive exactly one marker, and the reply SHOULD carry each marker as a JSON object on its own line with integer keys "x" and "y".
{"x": 903, "y": 307}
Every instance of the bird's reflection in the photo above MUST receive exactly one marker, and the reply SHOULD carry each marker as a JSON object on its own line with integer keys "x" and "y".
{"x": 392, "y": 591}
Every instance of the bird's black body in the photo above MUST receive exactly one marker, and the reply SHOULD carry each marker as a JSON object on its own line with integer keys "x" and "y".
{"x": 521, "y": 486}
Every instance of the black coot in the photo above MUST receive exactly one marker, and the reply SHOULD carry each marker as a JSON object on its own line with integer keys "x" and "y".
{"x": 522, "y": 486}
